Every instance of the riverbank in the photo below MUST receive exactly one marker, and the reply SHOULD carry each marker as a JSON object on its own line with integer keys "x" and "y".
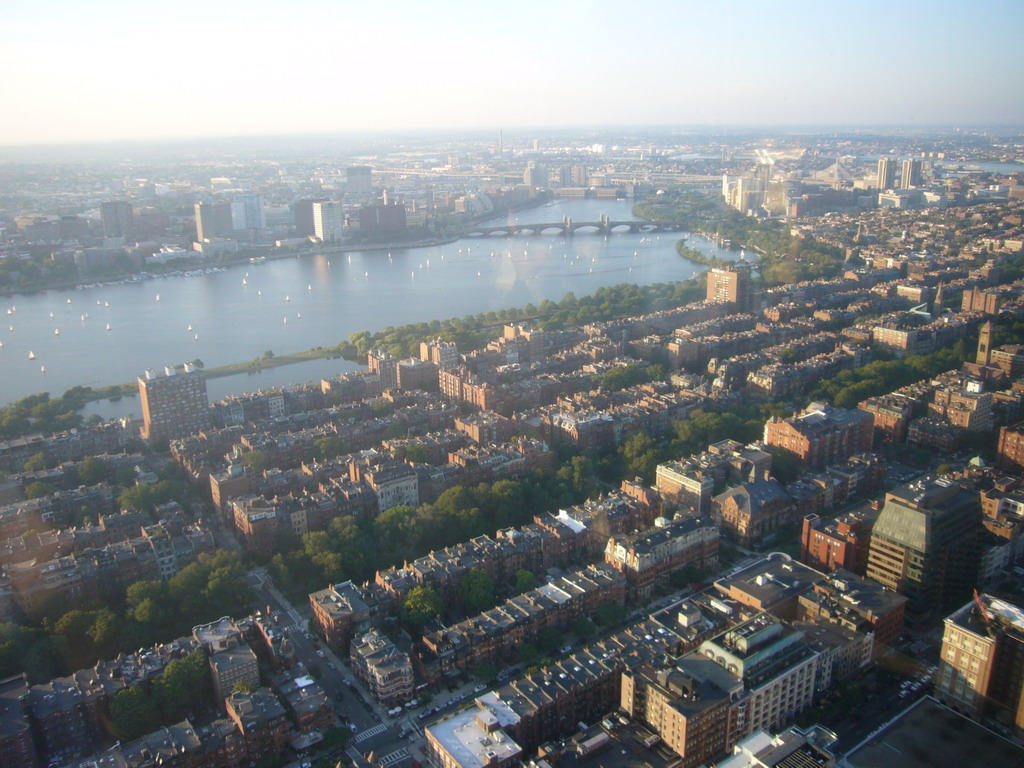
{"x": 622, "y": 300}
{"x": 251, "y": 366}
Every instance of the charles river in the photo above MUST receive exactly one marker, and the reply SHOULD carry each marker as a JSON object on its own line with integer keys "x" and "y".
{"x": 110, "y": 334}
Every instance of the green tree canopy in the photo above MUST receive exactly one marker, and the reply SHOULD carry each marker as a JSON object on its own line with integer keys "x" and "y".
{"x": 93, "y": 471}
{"x": 38, "y": 490}
{"x": 525, "y": 581}
{"x": 477, "y": 590}
{"x": 421, "y": 605}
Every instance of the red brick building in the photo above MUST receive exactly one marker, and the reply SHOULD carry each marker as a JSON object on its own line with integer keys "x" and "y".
{"x": 822, "y": 434}
{"x": 841, "y": 542}
{"x": 1010, "y": 453}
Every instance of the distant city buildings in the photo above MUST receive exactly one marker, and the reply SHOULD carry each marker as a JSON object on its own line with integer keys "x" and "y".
{"x": 118, "y": 219}
{"x": 328, "y": 221}
{"x": 213, "y": 220}
{"x": 359, "y": 182}
{"x": 886, "y": 175}
{"x": 247, "y": 213}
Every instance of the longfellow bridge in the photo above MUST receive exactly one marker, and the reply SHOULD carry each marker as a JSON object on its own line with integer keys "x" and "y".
{"x": 568, "y": 227}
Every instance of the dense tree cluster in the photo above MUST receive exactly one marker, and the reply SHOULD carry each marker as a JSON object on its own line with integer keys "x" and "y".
{"x": 181, "y": 689}
{"x": 41, "y": 413}
{"x": 475, "y": 331}
{"x": 65, "y": 638}
{"x": 847, "y": 388}
{"x": 356, "y": 549}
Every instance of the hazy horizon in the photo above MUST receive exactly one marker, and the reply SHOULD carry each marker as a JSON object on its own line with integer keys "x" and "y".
{"x": 116, "y": 71}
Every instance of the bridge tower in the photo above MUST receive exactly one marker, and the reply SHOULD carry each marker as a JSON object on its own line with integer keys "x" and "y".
{"x": 567, "y": 224}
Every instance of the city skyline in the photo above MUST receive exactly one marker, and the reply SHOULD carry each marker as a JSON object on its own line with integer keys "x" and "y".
{"x": 111, "y": 71}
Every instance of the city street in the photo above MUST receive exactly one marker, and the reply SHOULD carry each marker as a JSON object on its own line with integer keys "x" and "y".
{"x": 373, "y": 730}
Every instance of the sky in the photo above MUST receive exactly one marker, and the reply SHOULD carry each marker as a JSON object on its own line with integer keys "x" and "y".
{"x": 108, "y": 70}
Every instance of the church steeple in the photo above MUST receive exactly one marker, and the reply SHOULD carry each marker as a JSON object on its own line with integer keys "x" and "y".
{"x": 985, "y": 344}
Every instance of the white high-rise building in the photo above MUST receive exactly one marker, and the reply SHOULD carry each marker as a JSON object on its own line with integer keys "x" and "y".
{"x": 247, "y": 212}
{"x": 328, "y": 221}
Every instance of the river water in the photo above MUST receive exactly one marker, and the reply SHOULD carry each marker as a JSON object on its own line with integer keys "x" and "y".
{"x": 294, "y": 304}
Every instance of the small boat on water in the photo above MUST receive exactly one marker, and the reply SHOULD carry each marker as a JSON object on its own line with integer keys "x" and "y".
{"x": 42, "y": 369}
{"x": 108, "y": 326}
{"x": 245, "y": 281}
{"x": 31, "y": 355}
{"x": 56, "y": 331}
{"x": 309, "y": 287}
{"x": 287, "y": 298}
{"x": 158, "y": 297}
{"x": 189, "y": 329}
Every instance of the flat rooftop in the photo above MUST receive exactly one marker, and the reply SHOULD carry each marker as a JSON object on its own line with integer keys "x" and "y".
{"x": 931, "y": 734}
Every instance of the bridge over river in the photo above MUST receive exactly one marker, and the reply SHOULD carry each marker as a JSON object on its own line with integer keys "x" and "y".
{"x": 568, "y": 227}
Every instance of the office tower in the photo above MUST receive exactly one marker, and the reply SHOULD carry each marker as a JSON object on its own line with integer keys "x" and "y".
{"x": 359, "y": 181}
{"x": 247, "y": 212}
{"x": 911, "y": 173}
{"x": 565, "y": 176}
{"x": 302, "y": 210}
{"x": 535, "y": 175}
{"x": 174, "y": 403}
{"x": 328, "y": 221}
{"x": 212, "y": 220}
{"x": 579, "y": 175}
{"x": 731, "y": 284}
{"x": 982, "y": 659}
{"x": 886, "y": 178}
{"x": 926, "y": 543}
{"x": 117, "y": 219}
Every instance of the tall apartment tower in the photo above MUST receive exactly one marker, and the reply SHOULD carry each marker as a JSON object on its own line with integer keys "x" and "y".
{"x": 247, "y": 212}
{"x": 886, "y": 173}
{"x": 911, "y": 173}
{"x": 384, "y": 365}
{"x": 982, "y": 660}
{"x": 212, "y": 220}
{"x": 328, "y": 221}
{"x": 174, "y": 403}
{"x": 443, "y": 354}
{"x": 731, "y": 284}
{"x": 359, "y": 182}
{"x": 117, "y": 219}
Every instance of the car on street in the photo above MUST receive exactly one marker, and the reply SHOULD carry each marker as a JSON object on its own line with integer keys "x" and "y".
{"x": 320, "y": 653}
